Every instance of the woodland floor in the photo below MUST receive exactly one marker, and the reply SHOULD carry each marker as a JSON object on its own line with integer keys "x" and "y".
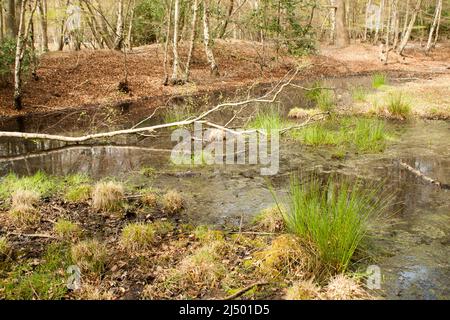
{"x": 90, "y": 78}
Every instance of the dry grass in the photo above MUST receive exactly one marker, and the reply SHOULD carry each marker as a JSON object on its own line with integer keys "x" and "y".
{"x": 172, "y": 202}
{"x": 89, "y": 256}
{"x": 137, "y": 236}
{"x": 298, "y": 113}
{"x": 90, "y": 291}
{"x": 303, "y": 290}
{"x": 107, "y": 196}
{"x": 24, "y": 198}
{"x": 286, "y": 256}
{"x": 24, "y": 215}
{"x": 342, "y": 287}
{"x": 270, "y": 220}
{"x": 150, "y": 199}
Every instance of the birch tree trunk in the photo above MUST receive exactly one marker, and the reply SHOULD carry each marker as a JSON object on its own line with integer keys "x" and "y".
{"x": 332, "y": 21}
{"x": 207, "y": 40}
{"x": 20, "y": 51}
{"x": 381, "y": 26}
{"x": 176, "y": 18}
{"x": 434, "y": 26}
{"x": 118, "y": 41}
{"x": 396, "y": 22}
{"x": 388, "y": 33}
{"x": 130, "y": 26}
{"x": 42, "y": 7}
{"x": 192, "y": 39}
{"x": 369, "y": 4}
{"x": 342, "y": 38}
{"x": 407, "y": 35}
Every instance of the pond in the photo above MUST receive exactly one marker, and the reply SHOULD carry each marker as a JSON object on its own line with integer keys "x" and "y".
{"x": 412, "y": 250}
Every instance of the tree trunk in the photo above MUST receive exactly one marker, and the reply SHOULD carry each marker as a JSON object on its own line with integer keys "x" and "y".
{"x": 20, "y": 51}
{"x": 2, "y": 27}
{"x": 388, "y": 33}
{"x": 42, "y": 6}
{"x": 207, "y": 40}
{"x": 227, "y": 20}
{"x": 407, "y": 35}
{"x": 130, "y": 26}
{"x": 192, "y": 40}
{"x": 118, "y": 42}
{"x": 396, "y": 24}
{"x": 166, "y": 45}
{"x": 176, "y": 18}
{"x": 11, "y": 29}
{"x": 342, "y": 38}
{"x": 332, "y": 21}
{"x": 369, "y": 4}
{"x": 434, "y": 26}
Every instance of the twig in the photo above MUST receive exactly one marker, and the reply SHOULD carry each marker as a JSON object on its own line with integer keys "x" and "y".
{"x": 422, "y": 176}
{"x": 244, "y": 290}
{"x": 32, "y": 235}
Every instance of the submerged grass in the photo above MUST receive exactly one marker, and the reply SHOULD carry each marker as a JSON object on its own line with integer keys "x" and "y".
{"x": 362, "y": 134}
{"x": 334, "y": 216}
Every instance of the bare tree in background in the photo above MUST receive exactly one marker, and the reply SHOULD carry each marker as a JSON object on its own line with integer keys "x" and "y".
{"x": 207, "y": 40}
{"x": 407, "y": 34}
{"x": 24, "y": 29}
{"x": 342, "y": 37}
{"x": 434, "y": 26}
{"x": 42, "y": 7}
{"x": 176, "y": 18}
{"x": 11, "y": 29}
{"x": 118, "y": 42}
{"x": 191, "y": 40}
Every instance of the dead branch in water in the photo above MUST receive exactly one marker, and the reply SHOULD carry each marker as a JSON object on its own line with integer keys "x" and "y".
{"x": 263, "y": 99}
{"x": 423, "y": 177}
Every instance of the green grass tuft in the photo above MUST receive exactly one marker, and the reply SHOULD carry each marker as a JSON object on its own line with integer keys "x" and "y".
{"x": 40, "y": 183}
{"x": 268, "y": 121}
{"x": 359, "y": 94}
{"x": 378, "y": 80}
{"x": 398, "y": 106}
{"x": 333, "y": 216}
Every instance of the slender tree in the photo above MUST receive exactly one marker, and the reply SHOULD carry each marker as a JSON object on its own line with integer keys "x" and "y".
{"x": 207, "y": 40}
{"x": 176, "y": 19}
{"x": 118, "y": 41}
{"x": 11, "y": 28}
{"x": 407, "y": 34}
{"x": 192, "y": 39}
{"x": 433, "y": 28}
{"x": 42, "y": 8}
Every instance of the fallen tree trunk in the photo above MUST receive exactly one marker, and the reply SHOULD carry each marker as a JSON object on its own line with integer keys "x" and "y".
{"x": 424, "y": 177}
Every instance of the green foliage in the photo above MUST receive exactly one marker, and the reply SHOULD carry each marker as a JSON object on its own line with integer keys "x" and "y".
{"x": 148, "y": 22}
{"x": 369, "y": 135}
{"x": 334, "y": 216}
{"x": 8, "y": 58}
{"x": 66, "y": 229}
{"x": 46, "y": 281}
